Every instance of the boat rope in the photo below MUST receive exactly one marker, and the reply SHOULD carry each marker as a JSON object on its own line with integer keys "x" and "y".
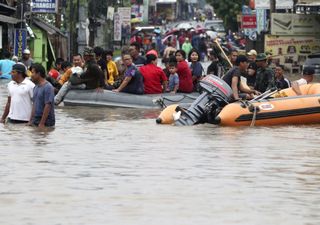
{"x": 254, "y": 116}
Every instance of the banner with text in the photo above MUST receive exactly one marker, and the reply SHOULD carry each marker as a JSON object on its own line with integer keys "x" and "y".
{"x": 44, "y": 6}
{"x": 249, "y": 22}
{"x": 294, "y": 24}
{"x": 20, "y": 41}
{"x": 289, "y": 49}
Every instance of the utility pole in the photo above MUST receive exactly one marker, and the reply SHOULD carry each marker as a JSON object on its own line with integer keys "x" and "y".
{"x": 71, "y": 28}
{"x": 272, "y": 6}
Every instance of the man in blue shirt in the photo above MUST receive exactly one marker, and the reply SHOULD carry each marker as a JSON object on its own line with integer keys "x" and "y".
{"x": 6, "y": 66}
{"x": 43, "y": 99}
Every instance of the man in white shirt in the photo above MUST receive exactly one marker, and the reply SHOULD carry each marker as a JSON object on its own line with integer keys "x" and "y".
{"x": 307, "y": 77}
{"x": 20, "y": 92}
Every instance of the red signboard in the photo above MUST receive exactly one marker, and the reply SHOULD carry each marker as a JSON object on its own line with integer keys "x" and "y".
{"x": 249, "y": 22}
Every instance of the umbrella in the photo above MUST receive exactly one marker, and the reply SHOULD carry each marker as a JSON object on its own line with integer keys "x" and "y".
{"x": 166, "y": 38}
{"x": 184, "y": 26}
{"x": 212, "y": 34}
{"x": 173, "y": 31}
{"x": 135, "y": 20}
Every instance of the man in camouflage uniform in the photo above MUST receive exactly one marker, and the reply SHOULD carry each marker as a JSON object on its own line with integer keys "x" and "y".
{"x": 265, "y": 78}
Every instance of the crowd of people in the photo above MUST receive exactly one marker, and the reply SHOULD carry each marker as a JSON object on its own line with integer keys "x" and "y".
{"x": 32, "y": 100}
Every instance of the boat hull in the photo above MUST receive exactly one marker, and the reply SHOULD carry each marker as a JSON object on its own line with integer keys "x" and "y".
{"x": 278, "y": 111}
{"x": 116, "y": 99}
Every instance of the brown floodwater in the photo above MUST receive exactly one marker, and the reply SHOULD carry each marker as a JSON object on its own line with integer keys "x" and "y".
{"x": 117, "y": 166}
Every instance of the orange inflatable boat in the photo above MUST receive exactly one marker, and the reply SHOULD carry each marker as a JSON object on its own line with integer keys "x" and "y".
{"x": 284, "y": 107}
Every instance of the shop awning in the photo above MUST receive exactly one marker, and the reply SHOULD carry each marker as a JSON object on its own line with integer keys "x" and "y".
{"x": 8, "y": 19}
{"x": 52, "y": 30}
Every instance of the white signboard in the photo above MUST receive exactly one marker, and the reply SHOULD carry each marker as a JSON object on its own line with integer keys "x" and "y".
{"x": 117, "y": 27}
{"x": 110, "y": 13}
{"x": 265, "y": 4}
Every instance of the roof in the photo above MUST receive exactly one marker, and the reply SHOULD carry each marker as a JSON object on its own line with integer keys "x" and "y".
{"x": 8, "y": 19}
{"x": 52, "y": 30}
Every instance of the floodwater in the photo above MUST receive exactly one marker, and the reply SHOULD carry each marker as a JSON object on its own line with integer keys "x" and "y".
{"x": 116, "y": 166}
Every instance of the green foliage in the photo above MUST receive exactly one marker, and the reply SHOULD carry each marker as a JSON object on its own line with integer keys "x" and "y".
{"x": 228, "y": 11}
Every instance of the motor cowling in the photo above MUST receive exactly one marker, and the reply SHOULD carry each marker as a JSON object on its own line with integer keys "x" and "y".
{"x": 216, "y": 93}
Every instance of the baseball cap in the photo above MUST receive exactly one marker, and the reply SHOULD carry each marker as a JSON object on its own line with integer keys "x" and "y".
{"x": 252, "y": 52}
{"x": 19, "y": 68}
{"x": 154, "y": 52}
{"x": 308, "y": 71}
{"x": 88, "y": 51}
{"x": 261, "y": 57}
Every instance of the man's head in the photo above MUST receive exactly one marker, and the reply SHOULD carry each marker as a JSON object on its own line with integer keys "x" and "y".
{"x": 261, "y": 60}
{"x": 58, "y": 63}
{"x": 77, "y": 60}
{"x": 242, "y": 62}
{"x": 233, "y": 56}
{"x": 38, "y": 73}
{"x": 18, "y": 72}
{"x": 308, "y": 74}
{"x": 26, "y": 54}
{"x": 127, "y": 59}
{"x": 98, "y": 51}
{"x": 134, "y": 49}
{"x": 109, "y": 55}
{"x": 151, "y": 59}
{"x": 88, "y": 54}
{"x": 279, "y": 71}
{"x": 6, "y": 54}
{"x": 65, "y": 66}
{"x": 252, "y": 55}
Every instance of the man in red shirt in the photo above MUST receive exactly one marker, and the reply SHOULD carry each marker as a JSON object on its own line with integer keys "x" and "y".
{"x": 154, "y": 79}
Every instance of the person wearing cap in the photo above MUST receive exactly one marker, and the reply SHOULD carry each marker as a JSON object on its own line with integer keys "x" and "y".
{"x": 265, "y": 78}
{"x": 252, "y": 55}
{"x": 281, "y": 81}
{"x": 26, "y": 58}
{"x": 6, "y": 66}
{"x": 233, "y": 79}
{"x": 43, "y": 114}
{"x": 20, "y": 93}
{"x": 307, "y": 77}
{"x": 154, "y": 79}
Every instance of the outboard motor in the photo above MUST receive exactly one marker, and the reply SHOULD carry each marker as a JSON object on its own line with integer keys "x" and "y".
{"x": 216, "y": 93}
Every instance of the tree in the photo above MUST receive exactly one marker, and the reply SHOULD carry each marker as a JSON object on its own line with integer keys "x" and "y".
{"x": 228, "y": 11}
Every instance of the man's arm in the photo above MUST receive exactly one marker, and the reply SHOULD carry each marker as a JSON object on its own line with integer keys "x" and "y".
{"x": 234, "y": 86}
{"x": 6, "y": 110}
{"x": 124, "y": 83}
{"x": 45, "y": 114}
{"x": 296, "y": 88}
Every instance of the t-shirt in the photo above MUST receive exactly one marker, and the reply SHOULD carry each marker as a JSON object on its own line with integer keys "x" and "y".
{"x": 196, "y": 69}
{"x": 21, "y": 99}
{"x": 153, "y": 76}
{"x": 135, "y": 86}
{"x": 6, "y": 68}
{"x": 43, "y": 95}
{"x": 173, "y": 81}
{"x": 282, "y": 83}
{"x": 27, "y": 62}
{"x": 233, "y": 72}
{"x": 301, "y": 82}
{"x": 185, "y": 77}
